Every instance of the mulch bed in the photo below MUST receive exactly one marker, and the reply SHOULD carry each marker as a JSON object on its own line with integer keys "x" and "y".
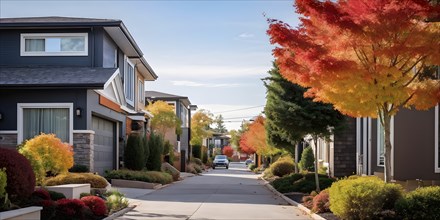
{"x": 297, "y": 197}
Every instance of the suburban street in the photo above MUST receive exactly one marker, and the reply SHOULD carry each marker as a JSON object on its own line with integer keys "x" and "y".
{"x": 235, "y": 194}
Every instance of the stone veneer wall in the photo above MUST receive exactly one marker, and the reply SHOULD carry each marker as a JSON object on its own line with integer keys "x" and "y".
{"x": 83, "y": 146}
{"x": 344, "y": 152}
{"x": 8, "y": 140}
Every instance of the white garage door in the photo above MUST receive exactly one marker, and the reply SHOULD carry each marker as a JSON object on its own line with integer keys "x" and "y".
{"x": 104, "y": 153}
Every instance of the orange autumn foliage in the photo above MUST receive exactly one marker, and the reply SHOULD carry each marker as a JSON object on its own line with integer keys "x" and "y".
{"x": 363, "y": 56}
{"x": 253, "y": 140}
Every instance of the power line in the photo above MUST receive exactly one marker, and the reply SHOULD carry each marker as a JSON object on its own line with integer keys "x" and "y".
{"x": 240, "y": 117}
{"x": 240, "y": 109}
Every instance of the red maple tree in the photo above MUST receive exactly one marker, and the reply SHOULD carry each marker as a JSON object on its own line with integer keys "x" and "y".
{"x": 369, "y": 58}
{"x": 228, "y": 151}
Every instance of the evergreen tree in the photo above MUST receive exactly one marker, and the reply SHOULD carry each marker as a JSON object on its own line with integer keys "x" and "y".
{"x": 291, "y": 116}
{"x": 156, "y": 145}
{"x": 307, "y": 160}
{"x": 134, "y": 153}
{"x": 219, "y": 124}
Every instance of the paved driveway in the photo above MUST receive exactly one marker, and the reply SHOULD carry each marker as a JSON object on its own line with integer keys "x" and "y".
{"x": 234, "y": 194}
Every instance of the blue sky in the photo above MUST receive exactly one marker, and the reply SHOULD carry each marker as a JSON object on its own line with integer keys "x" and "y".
{"x": 214, "y": 52}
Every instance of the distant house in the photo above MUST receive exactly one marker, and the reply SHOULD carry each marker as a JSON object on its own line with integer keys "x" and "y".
{"x": 217, "y": 140}
{"x": 182, "y": 107}
{"x": 80, "y": 78}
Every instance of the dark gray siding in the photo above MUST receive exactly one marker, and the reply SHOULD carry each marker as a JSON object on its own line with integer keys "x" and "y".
{"x": 10, "y": 98}
{"x": 414, "y": 142}
{"x": 108, "y": 55}
{"x": 94, "y": 108}
{"x": 344, "y": 150}
{"x": 10, "y": 50}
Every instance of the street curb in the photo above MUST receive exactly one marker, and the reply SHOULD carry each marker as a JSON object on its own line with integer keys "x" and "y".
{"x": 293, "y": 203}
{"x": 119, "y": 213}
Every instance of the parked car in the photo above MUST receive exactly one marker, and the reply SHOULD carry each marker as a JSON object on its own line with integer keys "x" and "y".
{"x": 248, "y": 161}
{"x": 220, "y": 161}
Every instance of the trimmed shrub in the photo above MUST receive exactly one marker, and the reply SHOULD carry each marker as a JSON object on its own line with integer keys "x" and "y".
{"x": 197, "y": 161}
{"x": 3, "y": 181}
{"x": 282, "y": 168}
{"x": 190, "y": 168}
{"x": 196, "y": 151}
{"x": 145, "y": 176}
{"x": 252, "y": 166}
{"x": 146, "y": 148}
{"x": 307, "y": 162}
{"x": 204, "y": 154}
{"x": 49, "y": 208}
{"x": 304, "y": 183}
{"x": 20, "y": 179}
{"x": 78, "y": 168}
{"x": 48, "y": 155}
{"x": 362, "y": 198}
{"x": 42, "y": 194}
{"x": 422, "y": 203}
{"x": 156, "y": 144}
{"x": 96, "y": 204}
{"x": 96, "y": 181}
{"x": 84, "y": 195}
{"x": 55, "y": 196}
{"x": 134, "y": 153}
{"x": 70, "y": 209}
{"x": 321, "y": 202}
{"x": 308, "y": 201}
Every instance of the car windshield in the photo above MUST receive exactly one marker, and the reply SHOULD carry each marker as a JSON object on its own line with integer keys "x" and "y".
{"x": 221, "y": 157}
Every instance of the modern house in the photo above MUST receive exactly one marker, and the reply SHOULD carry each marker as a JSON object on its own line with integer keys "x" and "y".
{"x": 415, "y": 140}
{"x": 79, "y": 78}
{"x": 217, "y": 140}
{"x": 182, "y": 107}
{"x": 360, "y": 148}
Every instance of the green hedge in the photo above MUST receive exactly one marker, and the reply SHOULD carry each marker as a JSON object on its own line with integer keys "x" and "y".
{"x": 134, "y": 152}
{"x": 298, "y": 182}
{"x": 96, "y": 181}
{"x": 144, "y": 176}
{"x": 363, "y": 197}
{"x": 423, "y": 203}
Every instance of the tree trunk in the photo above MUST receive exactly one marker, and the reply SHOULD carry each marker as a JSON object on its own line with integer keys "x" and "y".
{"x": 315, "y": 139}
{"x": 387, "y": 154}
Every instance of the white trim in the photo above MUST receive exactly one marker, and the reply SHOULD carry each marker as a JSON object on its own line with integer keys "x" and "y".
{"x": 23, "y": 38}
{"x": 132, "y": 90}
{"x": 8, "y": 132}
{"x": 83, "y": 131}
{"x": 369, "y": 145}
{"x": 436, "y": 145}
{"x": 128, "y": 110}
{"x": 20, "y": 107}
{"x": 392, "y": 144}
{"x": 141, "y": 91}
{"x": 111, "y": 78}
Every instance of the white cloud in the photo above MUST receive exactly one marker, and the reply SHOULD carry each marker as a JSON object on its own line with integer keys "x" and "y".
{"x": 233, "y": 119}
{"x": 246, "y": 35}
{"x": 211, "y": 72}
{"x": 206, "y": 85}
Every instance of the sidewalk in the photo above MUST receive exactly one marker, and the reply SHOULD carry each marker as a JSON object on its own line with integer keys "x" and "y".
{"x": 133, "y": 193}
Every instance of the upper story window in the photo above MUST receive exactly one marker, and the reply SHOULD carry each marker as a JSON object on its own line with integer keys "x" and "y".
{"x": 129, "y": 82}
{"x": 54, "y": 44}
{"x": 141, "y": 95}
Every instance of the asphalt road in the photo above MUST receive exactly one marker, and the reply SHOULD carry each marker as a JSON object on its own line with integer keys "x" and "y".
{"x": 233, "y": 193}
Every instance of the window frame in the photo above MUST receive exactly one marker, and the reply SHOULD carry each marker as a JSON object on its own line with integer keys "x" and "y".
{"x": 23, "y": 38}
{"x": 21, "y": 106}
{"x": 132, "y": 89}
{"x": 141, "y": 92}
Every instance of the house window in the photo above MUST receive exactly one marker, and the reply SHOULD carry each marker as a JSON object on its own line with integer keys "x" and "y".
{"x": 184, "y": 116}
{"x": 129, "y": 82}
{"x": 141, "y": 91}
{"x": 36, "y": 118}
{"x": 54, "y": 44}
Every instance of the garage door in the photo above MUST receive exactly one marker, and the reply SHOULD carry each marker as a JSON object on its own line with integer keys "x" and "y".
{"x": 104, "y": 154}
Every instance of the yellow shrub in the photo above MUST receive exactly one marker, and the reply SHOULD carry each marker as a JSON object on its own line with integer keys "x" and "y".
{"x": 47, "y": 154}
{"x": 96, "y": 181}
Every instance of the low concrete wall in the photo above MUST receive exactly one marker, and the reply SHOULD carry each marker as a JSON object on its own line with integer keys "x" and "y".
{"x": 29, "y": 213}
{"x": 71, "y": 191}
{"x": 134, "y": 184}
